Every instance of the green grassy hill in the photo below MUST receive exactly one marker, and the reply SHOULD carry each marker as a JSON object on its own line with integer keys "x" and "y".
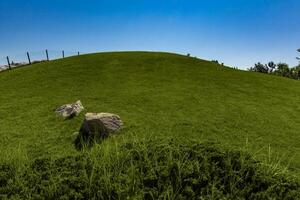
{"x": 157, "y": 95}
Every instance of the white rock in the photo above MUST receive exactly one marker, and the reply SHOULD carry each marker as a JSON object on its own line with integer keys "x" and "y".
{"x": 70, "y": 110}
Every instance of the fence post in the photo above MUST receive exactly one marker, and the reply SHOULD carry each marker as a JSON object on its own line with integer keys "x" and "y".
{"x": 7, "y": 58}
{"x": 78, "y": 53}
{"x": 63, "y": 53}
{"x": 28, "y": 58}
{"x": 47, "y": 55}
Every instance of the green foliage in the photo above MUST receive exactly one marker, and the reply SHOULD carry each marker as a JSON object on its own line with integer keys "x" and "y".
{"x": 148, "y": 169}
{"x": 215, "y": 61}
{"x": 258, "y": 67}
{"x": 271, "y": 65}
{"x": 284, "y": 70}
{"x": 281, "y": 69}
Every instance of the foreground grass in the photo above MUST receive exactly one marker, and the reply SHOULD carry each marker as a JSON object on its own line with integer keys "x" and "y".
{"x": 157, "y": 168}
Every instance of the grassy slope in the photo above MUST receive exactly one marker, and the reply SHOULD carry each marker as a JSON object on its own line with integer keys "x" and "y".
{"x": 155, "y": 94}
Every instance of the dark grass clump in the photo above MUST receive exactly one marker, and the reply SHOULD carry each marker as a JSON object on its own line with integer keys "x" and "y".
{"x": 150, "y": 169}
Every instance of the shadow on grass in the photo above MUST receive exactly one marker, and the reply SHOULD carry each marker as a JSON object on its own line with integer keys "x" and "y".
{"x": 84, "y": 141}
{"x": 80, "y": 142}
{"x": 88, "y": 136}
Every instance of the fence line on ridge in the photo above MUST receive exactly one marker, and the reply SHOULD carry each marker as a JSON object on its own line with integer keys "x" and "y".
{"x": 31, "y": 57}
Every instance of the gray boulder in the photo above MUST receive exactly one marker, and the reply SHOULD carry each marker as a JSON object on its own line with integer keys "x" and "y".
{"x": 70, "y": 110}
{"x": 100, "y": 125}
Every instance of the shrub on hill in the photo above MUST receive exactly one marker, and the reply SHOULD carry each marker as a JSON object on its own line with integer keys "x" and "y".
{"x": 280, "y": 69}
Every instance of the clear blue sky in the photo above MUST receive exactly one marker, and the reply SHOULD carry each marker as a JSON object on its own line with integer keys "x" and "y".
{"x": 236, "y": 32}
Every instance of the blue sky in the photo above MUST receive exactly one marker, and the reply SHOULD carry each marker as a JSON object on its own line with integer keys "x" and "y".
{"x": 236, "y": 32}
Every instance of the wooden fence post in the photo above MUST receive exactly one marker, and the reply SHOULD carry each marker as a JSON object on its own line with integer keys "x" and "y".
{"x": 28, "y": 58}
{"x": 63, "y": 53}
{"x": 7, "y": 58}
{"x": 47, "y": 55}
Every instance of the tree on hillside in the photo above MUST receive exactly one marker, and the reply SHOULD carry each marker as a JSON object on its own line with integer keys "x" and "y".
{"x": 258, "y": 67}
{"x": 271, "y": 65}
{"x": 298, "y": 57}
{"x": 282, "y": 69}
{"x": 298, "y": 71}
{"x": 295, "y": 72}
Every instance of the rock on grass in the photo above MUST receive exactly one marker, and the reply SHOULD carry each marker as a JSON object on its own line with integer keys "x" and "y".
{"x": 100, "y": 125}
{"x": 70, "y": 110}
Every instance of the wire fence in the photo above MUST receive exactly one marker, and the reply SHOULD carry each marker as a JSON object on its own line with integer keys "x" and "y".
{"x": 30, "y": 57}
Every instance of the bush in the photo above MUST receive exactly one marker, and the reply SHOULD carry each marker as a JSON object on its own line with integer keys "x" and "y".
{"x": 258, "y": 67}
{"x": 150, "y": 169}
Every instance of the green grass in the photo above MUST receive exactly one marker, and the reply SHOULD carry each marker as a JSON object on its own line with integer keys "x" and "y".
{"x": 156, "y": 168}
{"x": 157, "y": 95}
